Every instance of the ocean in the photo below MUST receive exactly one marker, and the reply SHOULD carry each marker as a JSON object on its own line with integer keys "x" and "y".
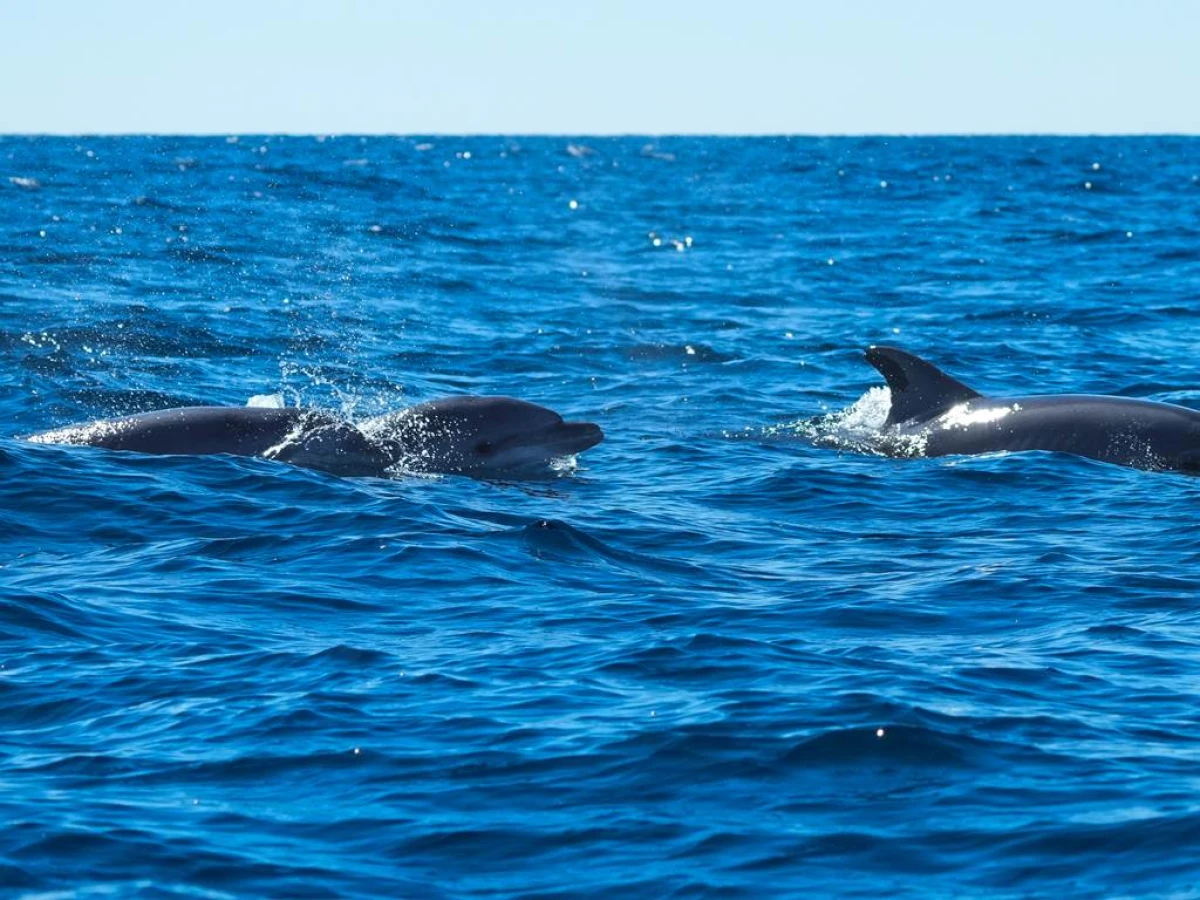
{"x": 717, "y": 658}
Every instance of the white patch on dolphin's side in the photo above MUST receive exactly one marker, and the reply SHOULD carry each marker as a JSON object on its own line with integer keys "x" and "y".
{"x": 962, "y": 416}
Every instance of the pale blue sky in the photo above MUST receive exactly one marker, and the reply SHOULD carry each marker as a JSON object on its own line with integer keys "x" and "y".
{"x": 673, "y": 66}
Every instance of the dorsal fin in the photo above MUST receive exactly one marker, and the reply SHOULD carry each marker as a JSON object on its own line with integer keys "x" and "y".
{"x": 920, "y": 390}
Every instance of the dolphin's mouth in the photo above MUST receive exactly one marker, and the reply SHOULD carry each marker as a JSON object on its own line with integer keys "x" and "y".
{"x": 580, "y": 436}
{"x": 560, "y": 439}
{"x": 568, "y": 438}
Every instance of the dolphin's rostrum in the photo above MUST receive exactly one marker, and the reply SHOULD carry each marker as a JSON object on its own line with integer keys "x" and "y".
{"x": 933, "y": 414}
{"x": 480, "y": 436}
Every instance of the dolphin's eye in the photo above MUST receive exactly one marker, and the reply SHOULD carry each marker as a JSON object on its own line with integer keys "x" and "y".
{"x": 483, "y": 448}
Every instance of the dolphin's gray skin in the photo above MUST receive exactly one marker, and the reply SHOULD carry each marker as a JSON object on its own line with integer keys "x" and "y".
{"x": 474, "y": 435}
{"x": 932, "y": 414}
{"x": 479, "y": 436}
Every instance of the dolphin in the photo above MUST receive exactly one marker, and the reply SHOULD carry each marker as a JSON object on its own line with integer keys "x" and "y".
{"x": 933, "y": 414}
{"x": 485, "y": 437}
{"x": 477, "y": 435}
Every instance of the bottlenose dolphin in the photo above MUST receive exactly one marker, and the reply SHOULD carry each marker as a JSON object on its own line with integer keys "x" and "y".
{"x": 469, "y": 435}
{"x": 479, "y": 436}
{"x": 932, "y": 414}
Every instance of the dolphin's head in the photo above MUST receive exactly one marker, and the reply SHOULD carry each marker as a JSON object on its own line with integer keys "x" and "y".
{"x": 481, "y": 436}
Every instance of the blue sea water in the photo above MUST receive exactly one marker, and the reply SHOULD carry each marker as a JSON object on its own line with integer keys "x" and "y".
{"x": 717, "y": 659}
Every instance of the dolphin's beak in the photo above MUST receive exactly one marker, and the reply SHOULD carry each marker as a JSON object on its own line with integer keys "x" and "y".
{"x": 569, "y": 438}
{"x": 559, "y": 439}
{"x": 534, "y": 450}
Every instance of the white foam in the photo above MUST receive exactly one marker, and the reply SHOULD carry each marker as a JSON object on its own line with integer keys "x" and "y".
{"x": 857, "y": 427}
{"x": 866, "y": 414}
{"x": 564, "y": 465}
{"x": 266, "y": 401}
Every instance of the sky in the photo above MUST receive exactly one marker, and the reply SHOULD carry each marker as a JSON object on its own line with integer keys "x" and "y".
{"x": 610, "y": 67}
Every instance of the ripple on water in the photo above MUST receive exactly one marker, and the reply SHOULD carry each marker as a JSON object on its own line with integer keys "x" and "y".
{"x": 729, "y": 653}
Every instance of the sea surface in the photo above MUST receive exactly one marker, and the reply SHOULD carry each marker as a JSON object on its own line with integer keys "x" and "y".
{"x": 714, "y": 659}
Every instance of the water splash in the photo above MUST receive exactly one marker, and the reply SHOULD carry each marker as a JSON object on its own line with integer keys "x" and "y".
{"x": 857, "y": 427}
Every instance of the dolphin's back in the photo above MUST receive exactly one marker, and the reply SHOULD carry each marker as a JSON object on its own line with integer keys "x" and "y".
{"x": 242, "y": 431}
{"x": 469, "y": 435}
{"x": 934, "y": 414}
{"x": 1124, "y": 430}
